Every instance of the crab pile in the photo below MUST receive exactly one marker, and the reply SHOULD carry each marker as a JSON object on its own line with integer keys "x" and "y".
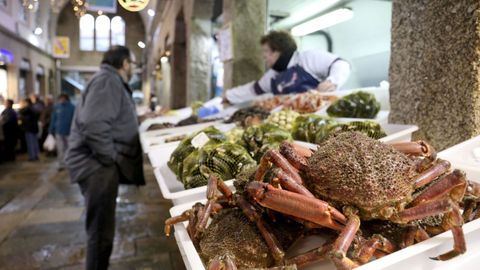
{"x": 371, "y": 197}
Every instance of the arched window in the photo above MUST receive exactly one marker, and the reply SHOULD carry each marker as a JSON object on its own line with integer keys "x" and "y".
{"x": 102, "y": 30}
{"x": 118, "y": 31}
{"x": 87, "y": 28}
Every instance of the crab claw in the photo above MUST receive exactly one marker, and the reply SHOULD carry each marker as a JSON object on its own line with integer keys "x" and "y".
{"x": 222, "y": 263}
{"x": 293, "y": 204}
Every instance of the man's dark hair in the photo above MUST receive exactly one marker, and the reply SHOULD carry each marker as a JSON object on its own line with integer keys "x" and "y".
{"x": 9, "y": 103}
{"x": 115, "y": 56}
{"x": 279, "y": 41}
{"x": 28, "y": 101}
{"x": 65, "y": 96}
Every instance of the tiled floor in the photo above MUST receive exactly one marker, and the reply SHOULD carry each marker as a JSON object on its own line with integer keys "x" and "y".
{"x": 42, "y": 215}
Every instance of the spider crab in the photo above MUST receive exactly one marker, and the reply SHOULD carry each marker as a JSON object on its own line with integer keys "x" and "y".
{"x": 238, "y": 236}
{"x": 351, "y": 178}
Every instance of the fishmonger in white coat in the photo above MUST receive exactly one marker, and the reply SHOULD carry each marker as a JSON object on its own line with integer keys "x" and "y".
{"x": 291, "y": 71}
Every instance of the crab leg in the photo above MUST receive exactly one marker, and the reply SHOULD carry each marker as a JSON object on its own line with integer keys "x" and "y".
{"x": 343, "y": 242}
{"x": 424, "y": 210}
{"x": 287, "y": 182}
{"x": 473, "y": 189}
{"x": 373, "y": 244}
{"x": 215, "y": 184}
{"x": 270, "y": 239}
{"x": 293, "y": 204}
{"x": 421, "y": 235}
{"x": 470, "y": 202}
{"x": 174, "y": 220}
{"x": 276, "y": 158}
{"x": 190, "y": 215}
{"x": 408, "y": 237}
{"x": 429, "y": 175}
{"x": 418, "y": 148}
{"x": 205, "y": 214}
{"x": 312, "y": 256}
{"x": 296, "y": 154}
{"x": 453, "y": 184}
{"x": 452, "y": 218}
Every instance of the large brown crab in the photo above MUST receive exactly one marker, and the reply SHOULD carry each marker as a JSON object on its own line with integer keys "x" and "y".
{"x": 366, "y": 180}
{"x": 238, "y": 236}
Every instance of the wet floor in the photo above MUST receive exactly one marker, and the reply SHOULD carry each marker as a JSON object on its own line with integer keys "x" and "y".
{"x": 42, "y": 222}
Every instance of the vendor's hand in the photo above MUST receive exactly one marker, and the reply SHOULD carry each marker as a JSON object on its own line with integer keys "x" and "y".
{"x": 326, "y": 86}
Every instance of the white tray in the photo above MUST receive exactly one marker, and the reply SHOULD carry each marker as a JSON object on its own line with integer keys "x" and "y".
{"x": 156, "y": 137}
{"x": 174, "y": 117}
{"x": 461, "y": 156}
{"x": 415, "y": 257}
{"x": 170, "y": 186}
{"x": 397, "y": 132}
{"x": 382, "y": 117}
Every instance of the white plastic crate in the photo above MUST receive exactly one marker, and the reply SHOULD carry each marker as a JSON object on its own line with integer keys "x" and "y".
{"x": 398, "y": 133}
{"x": 415, "y": 257}
{"x": 170, "y": 186}
{"x": 157, "y": 137}
{"x": 381, "y": 118}
{"x": 465, "y": 156}
{"x": 395, "y": 133}
{"x": 174, "y": 117}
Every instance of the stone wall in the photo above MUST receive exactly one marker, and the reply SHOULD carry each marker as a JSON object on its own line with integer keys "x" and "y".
{"x": 248, "y": 25}
{"x": 434, "y": 69}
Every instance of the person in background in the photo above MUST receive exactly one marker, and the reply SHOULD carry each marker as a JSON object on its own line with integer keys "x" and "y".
{"x": 104, "y": 150}
{"x": 153, "y": 102}
{"x": 60, "y": 124}
{"x": 29, "y": 124}
{"x": 9, "y": 126}
{"x": 37, "y": 104}
{"x": 45, "y": 120}
{"x": 291, "y": 71}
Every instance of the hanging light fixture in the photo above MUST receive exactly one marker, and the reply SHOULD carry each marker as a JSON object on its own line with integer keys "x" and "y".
{"x": 79, "y": 7}
{"x": 30, "y": 5}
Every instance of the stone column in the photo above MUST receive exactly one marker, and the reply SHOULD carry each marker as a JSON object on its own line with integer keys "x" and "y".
{"x": 199, "y": 51}
{"x": 434, "y": 69}
{"x": 248, "y": 25}
{"x": 179, "y": 64}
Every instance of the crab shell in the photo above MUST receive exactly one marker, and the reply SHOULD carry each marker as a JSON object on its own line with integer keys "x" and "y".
{"x": 232, "y": 234}
{"x": 353, "y": 169}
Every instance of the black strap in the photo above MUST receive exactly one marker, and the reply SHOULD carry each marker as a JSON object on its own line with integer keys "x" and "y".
{"x": 258, "y": 89}
{"x": 330, "y": 67}
{"x": 282, "y": 62}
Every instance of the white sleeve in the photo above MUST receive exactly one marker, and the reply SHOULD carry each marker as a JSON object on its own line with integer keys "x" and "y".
{"x": 240, "y": 94}
{"x": 339, "y": 72}
{"x": 249, "y": 91}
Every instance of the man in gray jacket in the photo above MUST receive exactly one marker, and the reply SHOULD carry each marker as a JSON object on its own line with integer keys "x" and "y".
{"x": 104, "y": 150}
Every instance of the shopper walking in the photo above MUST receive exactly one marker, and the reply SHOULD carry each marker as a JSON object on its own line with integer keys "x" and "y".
{"x": 45, "y": 117}
{"x": 29, "y": 124}
{"x": 104, "y": 150}
{"x": 60, "y": 124}
{"x": 9, "y": 126}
